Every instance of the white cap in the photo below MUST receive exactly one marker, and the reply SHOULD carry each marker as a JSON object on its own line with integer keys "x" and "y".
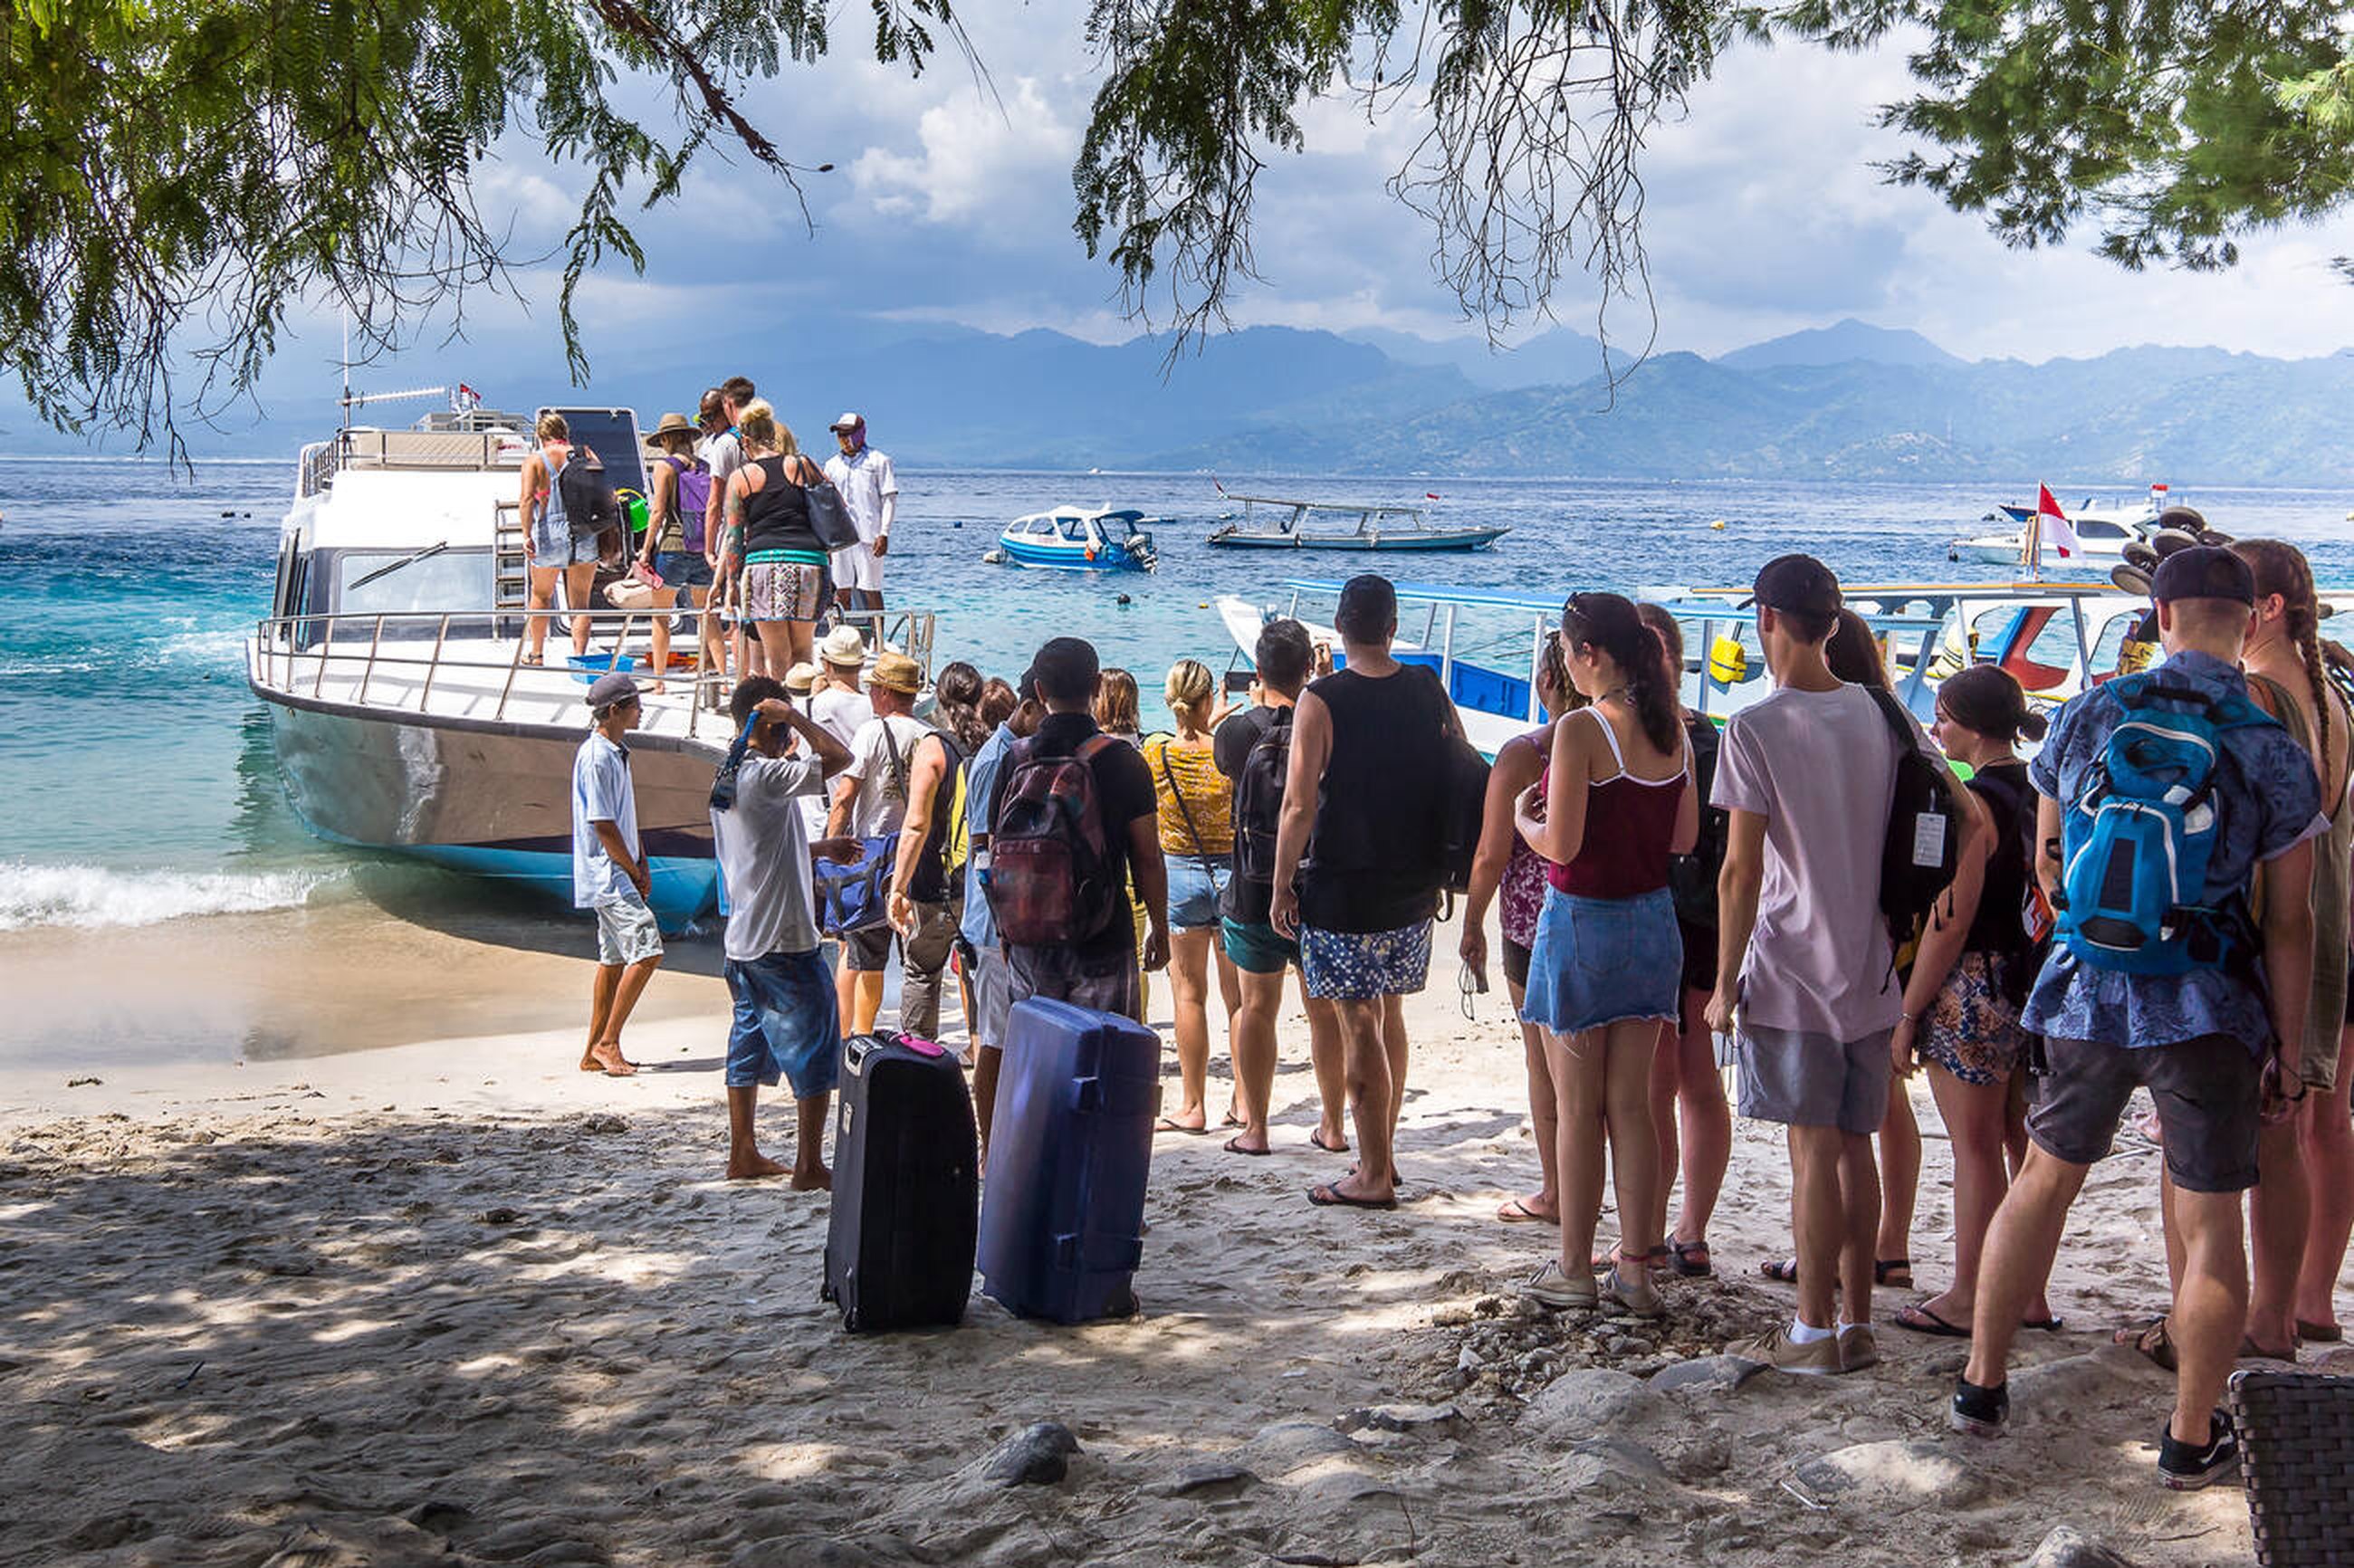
{"x": 849, "y": 422}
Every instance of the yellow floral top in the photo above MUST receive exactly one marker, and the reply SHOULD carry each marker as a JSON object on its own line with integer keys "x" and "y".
{"x": 1209, "y": 795}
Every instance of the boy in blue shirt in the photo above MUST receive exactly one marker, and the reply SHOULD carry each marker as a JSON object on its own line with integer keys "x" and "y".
{"x": 2216, "y": 1044}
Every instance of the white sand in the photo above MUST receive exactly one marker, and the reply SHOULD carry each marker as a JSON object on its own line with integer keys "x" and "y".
{"x": 456, "y": 1302}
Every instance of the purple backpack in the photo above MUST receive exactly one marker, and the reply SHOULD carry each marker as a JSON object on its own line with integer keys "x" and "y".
{"x": 693, "y": 503}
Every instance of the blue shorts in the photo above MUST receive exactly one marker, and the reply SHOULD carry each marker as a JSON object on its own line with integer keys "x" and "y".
{"x": 682, "y": 568}
{"x": 1364, "y": 966}
{"x": 785, "y": 1024}
{"x": 1603, "y": 960}
{"x": 1194, "y": 890}
{"x": 554, "y": 543}
{"x": 1258, "y": 949}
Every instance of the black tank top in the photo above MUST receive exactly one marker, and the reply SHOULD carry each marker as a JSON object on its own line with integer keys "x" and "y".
{"x": 1996, "y": 927}
{"x": 777, "y": 517}
{"x": 930, "y": 883}
{"x": 1374, "y": 857}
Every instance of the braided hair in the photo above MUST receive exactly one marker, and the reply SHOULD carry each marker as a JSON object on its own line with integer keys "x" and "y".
{"x": 956, "y": 700}
{"x": 1607, "y": 621}
{"x": 2281, "y": 568}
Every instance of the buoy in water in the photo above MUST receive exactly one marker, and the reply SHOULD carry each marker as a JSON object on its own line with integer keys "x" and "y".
{"x": 1122, "y": 598}
{"x": 1718, "y": 525}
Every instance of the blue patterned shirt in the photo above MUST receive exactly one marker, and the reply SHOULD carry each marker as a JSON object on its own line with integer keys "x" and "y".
{"x": 2268, "y": 801}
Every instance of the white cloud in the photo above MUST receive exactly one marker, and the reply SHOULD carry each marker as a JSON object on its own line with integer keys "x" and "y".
{"x": 977, "y": 158}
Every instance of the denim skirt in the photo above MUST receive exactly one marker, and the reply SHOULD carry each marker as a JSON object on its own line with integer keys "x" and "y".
{"x": 1603, "y": 960}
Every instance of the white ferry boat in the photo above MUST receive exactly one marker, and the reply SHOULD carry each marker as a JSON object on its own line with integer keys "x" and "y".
{"x": 392, "y": 664}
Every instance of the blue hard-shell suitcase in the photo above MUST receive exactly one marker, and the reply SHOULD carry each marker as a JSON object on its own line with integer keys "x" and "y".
{"x": 899, "y": 1240}
{"x": 1070, "y": 1148}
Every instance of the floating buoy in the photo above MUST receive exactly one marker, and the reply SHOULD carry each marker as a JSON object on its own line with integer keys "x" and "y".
{"x": 1204, "y": 604}
{"x": 1123, "y": 599}
{"x": 1728, "y": 664}
{"x": 1718, "y": 525}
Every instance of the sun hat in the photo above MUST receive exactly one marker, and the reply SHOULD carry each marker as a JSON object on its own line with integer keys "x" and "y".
{"x": 610, "y": 689}
{"x": 842, "y": 645}
{"x": 897, "y": 673}
{"x": 671, "y": 425}
{"x": 801, "y": 678}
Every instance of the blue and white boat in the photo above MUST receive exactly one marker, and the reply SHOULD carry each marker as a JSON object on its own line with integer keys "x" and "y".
{"x": 1074, "y": 538}
{"x": 391, "y": 665}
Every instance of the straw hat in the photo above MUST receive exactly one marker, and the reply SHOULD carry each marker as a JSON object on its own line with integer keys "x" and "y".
{"x": 844, "y": 646}
{"x": 801, "y": 678}
{"x": 897, "y": 672}
{"x": 671, "y": 425}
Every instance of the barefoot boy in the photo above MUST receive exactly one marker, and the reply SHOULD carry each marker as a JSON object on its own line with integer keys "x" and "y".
{"x": 610, "y": 873}
{"x": 786, "y": 1023}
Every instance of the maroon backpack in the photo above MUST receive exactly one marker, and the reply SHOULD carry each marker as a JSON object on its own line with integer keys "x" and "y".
{"x": 1050, "y": 861}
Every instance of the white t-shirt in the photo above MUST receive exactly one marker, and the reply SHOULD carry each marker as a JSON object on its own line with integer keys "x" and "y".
{"x": 1820, "y": 767}
{"x": 882, "y": 799}
{"x": 863, "y": 480}
{"x": 762, "y": 844}
{"x": 842, "y": 713}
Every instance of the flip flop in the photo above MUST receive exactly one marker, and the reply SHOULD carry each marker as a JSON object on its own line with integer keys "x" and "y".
{"x": 1233, "y": 1121}
{"x": 1921, "y": 1320}
{"x": 1331, "y": 1197}
{"x": 1517, "y": 1213}
{"x": 2049, "y": 1325}
{"x": 1165, "y": 1125}
{"x": 1316, "y": 1137}
{"x": 2319, "y": 1333}
{"x": 2251, "y": 1352}
{"x": 1234, "y": 1146}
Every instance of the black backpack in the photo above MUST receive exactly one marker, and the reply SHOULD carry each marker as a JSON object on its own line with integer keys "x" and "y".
{"x": 1691, "y": 878}
{"x": 1462, "y": 800}
{"x": 591, "y": 506}
{"x": 1259, "y": 800}
{"x": 1917, "y": 858}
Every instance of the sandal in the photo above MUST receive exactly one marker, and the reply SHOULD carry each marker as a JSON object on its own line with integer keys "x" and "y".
{"x": 2251, "y": 1352}
{"x": 2150, "y": 1339}
{"x": 1921, "y": 1320}
{"x": 1516, "y": 1211}
{"x": 1331, "y": 1197}
{"x": 1316, "y": 1137}
{"x": 1691, "y": 1259}
{"x": 1896, "y": 1272}
{"x": 2319, "y": 1333}
{"x": 1235, "y": 1145}
{"x": 1607, "y": 1259}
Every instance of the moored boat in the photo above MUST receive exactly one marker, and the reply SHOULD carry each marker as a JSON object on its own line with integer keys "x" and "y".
{"x": 1274, "y": 523}
{"x": 1074, "y": 538}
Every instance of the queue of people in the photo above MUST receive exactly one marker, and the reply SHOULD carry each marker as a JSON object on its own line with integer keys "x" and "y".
{"x": 1672, "y": 898}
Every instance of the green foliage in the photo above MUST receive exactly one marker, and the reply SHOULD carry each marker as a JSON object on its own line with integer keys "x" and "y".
{"x": 175, "y": 175}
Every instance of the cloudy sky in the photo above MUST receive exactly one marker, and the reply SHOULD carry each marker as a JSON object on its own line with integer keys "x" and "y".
{"x": 1763, "y": 216}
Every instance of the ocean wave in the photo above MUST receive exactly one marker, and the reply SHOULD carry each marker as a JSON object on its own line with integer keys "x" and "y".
{"x": 91, "y": 897}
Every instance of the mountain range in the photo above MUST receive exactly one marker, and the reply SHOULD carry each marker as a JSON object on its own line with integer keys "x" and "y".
{"x": 1844, "y": 401}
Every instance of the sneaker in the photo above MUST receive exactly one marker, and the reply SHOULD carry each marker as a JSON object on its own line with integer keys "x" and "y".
{"x": 1552, "y": 1288}
{"x": 2186, "y": 1467}
{"x": 1775, "y": 1348}
{"x": 1858, "y": 1348}
{"x": 1638, "y": 1300}
{"x": 1977, "y": 1410}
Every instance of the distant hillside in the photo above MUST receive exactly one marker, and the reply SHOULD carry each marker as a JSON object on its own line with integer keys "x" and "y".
{"x": 1842, "y": 343}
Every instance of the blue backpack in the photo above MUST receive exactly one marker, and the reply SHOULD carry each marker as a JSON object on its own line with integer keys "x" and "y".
{"x": 2136, "y": 841}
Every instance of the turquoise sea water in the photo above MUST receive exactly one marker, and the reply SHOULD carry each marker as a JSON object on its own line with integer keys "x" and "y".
{"x": 137, "y": 768}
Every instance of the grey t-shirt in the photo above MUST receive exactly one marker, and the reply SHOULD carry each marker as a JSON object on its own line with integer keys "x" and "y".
{"x": 762, "y": 845}
{"x": 1820, "y": 767}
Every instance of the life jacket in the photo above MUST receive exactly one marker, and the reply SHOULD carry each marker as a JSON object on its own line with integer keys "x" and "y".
{"x": 1050, "y": 860}
{"x": 2136, "y": 841}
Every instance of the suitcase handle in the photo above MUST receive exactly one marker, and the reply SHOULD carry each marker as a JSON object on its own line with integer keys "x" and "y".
{"x": 1130, "y": 1258}
{"x": 1115, "y": 1097}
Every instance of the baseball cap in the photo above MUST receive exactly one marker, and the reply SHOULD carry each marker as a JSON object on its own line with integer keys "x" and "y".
{"x": 849, "y": 421}
{"x": 610, "y": 691}
{"x": 897, "y": 673}
{"x": 2203, "y": 571}
{"x": 1797, "y": 583}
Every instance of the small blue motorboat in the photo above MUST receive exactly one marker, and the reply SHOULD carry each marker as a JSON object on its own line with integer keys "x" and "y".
{"x": 1106, "y": 539}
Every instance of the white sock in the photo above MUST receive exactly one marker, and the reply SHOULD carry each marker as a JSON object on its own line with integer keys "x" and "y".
{"x": 1802, "y": 1334}
{"x": 1843, "y": 1326}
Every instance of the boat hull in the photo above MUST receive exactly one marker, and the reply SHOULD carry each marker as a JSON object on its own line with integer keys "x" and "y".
{"x": 1111, "y": 557}
{"x": 1460, "y": 539}
{"x": 492, "y": 799}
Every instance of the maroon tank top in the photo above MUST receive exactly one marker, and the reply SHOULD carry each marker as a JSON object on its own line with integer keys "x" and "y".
{"x": 1630, "y": 823}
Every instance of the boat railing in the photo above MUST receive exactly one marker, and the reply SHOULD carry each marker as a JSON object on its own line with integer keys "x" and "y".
{"x": 430, "y": 452}
{"x": 300, "y": 654}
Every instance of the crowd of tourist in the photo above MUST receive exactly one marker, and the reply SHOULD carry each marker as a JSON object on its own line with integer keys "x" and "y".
{"x": 1671, "y": 898}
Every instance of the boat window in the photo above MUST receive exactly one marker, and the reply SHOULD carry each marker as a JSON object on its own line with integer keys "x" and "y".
{"x": 1041, "y": 526}
{"x": 1074, "y": 530}
{"x": 454, "y": 579}
{"x": 2095, "y": 529}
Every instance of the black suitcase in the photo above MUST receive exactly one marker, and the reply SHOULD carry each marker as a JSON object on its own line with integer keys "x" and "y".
{"x": 906, "y": 1187}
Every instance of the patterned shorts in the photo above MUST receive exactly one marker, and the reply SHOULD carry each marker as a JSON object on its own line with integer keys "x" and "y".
{"x": 627, "y": 932}
{"x": 1972, "y": 1030}
{"x": 1361, "y": 966}
{"x": 783, "y": 590}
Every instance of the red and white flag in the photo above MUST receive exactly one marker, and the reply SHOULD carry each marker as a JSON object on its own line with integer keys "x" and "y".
{"x": 2052, "y": 523}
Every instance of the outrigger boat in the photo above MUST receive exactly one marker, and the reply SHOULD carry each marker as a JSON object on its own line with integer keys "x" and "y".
{"x": 391, "y": 664}
{"x": 1272, "y": 522}
{"x": 2055, "y": 638}
{"x": 1106, "y": 539}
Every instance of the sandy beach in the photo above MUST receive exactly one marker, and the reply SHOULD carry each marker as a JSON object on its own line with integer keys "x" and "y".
{"x": 453, "y": 1301}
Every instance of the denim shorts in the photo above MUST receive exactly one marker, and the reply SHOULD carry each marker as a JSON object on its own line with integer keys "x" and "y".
{"x": 1256, "y": 949}
{"x": 786, "y": 1023}
{"x": 554, "y": 543}
{"x": 627, "y": 932}
{"x": 1603, "y": 960}
{"x": 682, "y": 568}
{"x": 1194, "y": 890}
{"x": 1364, "y": 966}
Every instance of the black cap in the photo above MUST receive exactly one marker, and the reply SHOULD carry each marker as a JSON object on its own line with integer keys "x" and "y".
{"x": 1800, "y": 584}
{"x": 2203, "y": 571}
{"x": 1368, "y": 607}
